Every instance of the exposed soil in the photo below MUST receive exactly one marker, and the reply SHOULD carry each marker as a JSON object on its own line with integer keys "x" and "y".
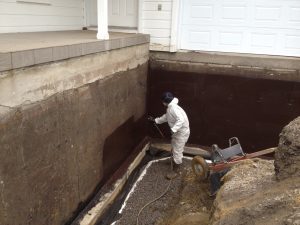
{"x": 187, "y": 201}
{"x": 264, "y": 192}
{"x": 251, "y": 195}
{"x": 287, "y": 155}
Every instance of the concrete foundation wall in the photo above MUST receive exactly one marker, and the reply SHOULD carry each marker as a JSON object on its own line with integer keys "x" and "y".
{"x": 64, "y": 127}
{"x": 228, "y": 95}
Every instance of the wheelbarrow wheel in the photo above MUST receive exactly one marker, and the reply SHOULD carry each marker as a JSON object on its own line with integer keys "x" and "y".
{"x": 200, "y": 167}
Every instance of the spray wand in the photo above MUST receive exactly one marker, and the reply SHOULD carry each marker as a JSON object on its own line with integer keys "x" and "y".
{"x": 155, "y": 124}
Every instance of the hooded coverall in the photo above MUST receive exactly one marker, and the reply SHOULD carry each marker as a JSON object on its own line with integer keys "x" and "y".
{"x": 179, "y": 124}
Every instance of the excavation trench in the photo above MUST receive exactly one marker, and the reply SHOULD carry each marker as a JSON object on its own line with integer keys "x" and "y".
{"x": 222, "y": 99}
{"x": 186, "y": 200}
{"x": 61, "y": 143}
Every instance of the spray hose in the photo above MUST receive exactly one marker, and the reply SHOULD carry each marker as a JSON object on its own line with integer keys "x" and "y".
{"x": 161, "y": 133}
{"x": 165, "y": 192}
{"x": 154, "y": 200}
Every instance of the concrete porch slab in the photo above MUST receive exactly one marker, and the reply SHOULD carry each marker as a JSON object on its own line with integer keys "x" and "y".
{"x": 19, "y": 50}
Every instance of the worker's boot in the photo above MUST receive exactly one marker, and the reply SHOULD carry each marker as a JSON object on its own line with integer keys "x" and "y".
{"x": 177, "y": 168}
{"x": 175, "y": 172}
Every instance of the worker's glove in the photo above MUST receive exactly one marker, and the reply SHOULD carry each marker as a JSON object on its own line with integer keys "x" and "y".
{"x": 150, "y": 118}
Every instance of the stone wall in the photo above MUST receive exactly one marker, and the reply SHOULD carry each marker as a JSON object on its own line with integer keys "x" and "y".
{"x": 64, "y": 127}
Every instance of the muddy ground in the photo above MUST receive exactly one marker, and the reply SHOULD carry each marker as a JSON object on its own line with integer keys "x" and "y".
{"x": 186, "y": 202}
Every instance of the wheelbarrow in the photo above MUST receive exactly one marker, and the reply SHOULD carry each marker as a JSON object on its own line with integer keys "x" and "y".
{"x": 224, "y": 158}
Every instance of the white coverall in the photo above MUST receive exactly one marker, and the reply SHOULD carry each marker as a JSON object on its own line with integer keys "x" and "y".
{"x": 179, "y": 124}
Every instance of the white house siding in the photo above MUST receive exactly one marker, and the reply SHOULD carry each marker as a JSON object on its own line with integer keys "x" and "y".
{"x": 41, "y": 15}
{"x": 157, "y": 23}
{"x": 245, "y": 26}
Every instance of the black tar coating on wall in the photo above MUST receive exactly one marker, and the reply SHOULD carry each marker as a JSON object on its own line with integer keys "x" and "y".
{"x": 116, "y": 159}
{"x": 121, "y": 143}
{"x": 220, "y": 107}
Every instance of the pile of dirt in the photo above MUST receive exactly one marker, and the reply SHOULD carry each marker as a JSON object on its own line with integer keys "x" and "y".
{"x": 252, "y": 195}
{"x": 287, "y": 155}
{"x": 187, "y": 201}
{"x": 261, "y": 192}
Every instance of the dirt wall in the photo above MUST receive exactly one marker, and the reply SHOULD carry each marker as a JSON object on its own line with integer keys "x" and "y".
{"x": 225, "y": 100}
{"x": 287, "y": 155}
{"x": 55, "y": 152}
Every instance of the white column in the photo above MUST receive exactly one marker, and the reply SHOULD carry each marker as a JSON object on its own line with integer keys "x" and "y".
{"x": 102, "y": 12}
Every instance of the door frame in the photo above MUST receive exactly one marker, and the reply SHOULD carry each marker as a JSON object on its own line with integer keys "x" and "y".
{"x": 175, "y": 25}
{"x": 139, "y": 29}
{"x": 140, "y": 16}
{"x": 87, "y": 6}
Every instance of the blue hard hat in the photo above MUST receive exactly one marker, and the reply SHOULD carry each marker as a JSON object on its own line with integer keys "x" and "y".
{"x": 167, "y": 97}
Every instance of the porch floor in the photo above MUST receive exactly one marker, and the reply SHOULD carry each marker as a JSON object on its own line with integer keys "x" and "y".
{"x": 14, "y": 42}
{"x": 18, "y": 50}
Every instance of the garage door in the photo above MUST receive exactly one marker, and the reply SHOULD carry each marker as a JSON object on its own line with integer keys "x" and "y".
{"x": 246, "y": 26}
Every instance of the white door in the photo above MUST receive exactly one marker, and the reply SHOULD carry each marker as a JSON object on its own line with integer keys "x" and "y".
{"x": 91, "y": 12}
{"x": 246, "y": 26}
{"x": 123, "y": 13}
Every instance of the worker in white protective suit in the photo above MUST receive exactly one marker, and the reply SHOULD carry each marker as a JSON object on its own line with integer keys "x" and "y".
{"x": 179, "y": 125}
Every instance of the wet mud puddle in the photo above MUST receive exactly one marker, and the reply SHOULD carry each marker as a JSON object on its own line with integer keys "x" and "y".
{"x": 186, "y": 203}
